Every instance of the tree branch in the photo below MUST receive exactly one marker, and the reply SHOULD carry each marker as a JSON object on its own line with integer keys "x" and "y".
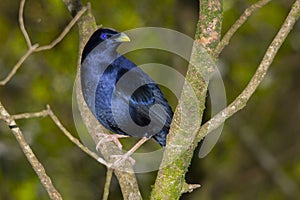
{"x": 181, "y": 141}
{"x": 43, "y": 113}
{"x": 247, "y": 13}
{"x": 10, "y": 121}
{"x": 49, "y": 112}
{"x": 125, "y": 174}
{"x": 241, "y": 101}
{"x": 127, "y": 180}
{"x": 73, "y": 139}
{"x": 209, "y": 26}
{"x": 189, "y": 187}
{"x": 64, "y": 32}
{"x": 36, "y": 165}
{"x": 35, "y": 48}
{"x": 18, "y": 65}
{"x": 22, "y": 25}
{"x": 107, "y": 183}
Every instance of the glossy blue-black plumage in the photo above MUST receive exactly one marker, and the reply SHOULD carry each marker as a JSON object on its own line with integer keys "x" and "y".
{"x": 119, "y": 93}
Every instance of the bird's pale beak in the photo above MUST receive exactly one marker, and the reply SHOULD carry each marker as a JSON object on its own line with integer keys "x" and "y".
{"x": 122, "y": 37}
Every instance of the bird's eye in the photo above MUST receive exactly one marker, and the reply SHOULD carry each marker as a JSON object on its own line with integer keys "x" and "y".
{"x": 103, "y": 36}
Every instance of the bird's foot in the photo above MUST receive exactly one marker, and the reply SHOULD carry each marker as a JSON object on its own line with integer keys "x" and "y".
{"x": 121, "y": 159}
{"x": 108, "y": 138}
{"x": 127, "y": 155}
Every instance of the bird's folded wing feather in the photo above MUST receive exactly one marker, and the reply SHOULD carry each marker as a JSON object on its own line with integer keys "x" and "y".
{"x": 142, "y": 93}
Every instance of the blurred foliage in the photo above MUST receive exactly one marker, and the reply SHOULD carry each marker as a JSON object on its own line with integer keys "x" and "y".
{"x": 230, "y": 171}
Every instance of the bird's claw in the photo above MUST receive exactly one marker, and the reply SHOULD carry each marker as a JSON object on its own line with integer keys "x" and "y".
{"x": 108, "y": 138}
{"x": 121, "y": 159}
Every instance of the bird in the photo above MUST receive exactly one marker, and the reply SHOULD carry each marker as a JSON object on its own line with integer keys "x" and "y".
{"x": 123, "y": 98}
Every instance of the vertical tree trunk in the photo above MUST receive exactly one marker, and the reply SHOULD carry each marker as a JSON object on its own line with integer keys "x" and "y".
{"x": 182, "y": 139}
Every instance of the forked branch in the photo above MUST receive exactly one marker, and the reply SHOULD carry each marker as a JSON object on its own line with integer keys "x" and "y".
{"x": 241, "y": 101}
{"x": 36, "y": 165}
{"x": 243, "y": 18}
{"x": 48, "y": 112}
{"x": 36, "y": 48}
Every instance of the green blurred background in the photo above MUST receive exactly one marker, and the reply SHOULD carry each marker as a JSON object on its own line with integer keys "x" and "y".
{"x": 257, "y": 156}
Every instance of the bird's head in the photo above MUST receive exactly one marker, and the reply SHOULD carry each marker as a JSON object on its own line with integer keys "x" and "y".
{"x": 111, "y": 37}
{"x": 103, "y": 34}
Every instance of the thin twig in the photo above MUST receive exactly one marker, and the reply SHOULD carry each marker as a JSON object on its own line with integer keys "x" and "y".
{"x": 247, "y": 13}
{"x": 49, "y": 112}
{"x": 10, "y": 120}
{"x": 35, "y": 48}
{"x": 109, "y": 173}
{"x": 36, "y": 165}
{"x": 64, "y": 32}
{"x": 75, "y": 140}
{"x": 42, "y": 113}
{"x": 22, "y": 25}
{"x": 243, "y": 98}
{"x": 18, "y": 65}
{"x": 188, "y": 188}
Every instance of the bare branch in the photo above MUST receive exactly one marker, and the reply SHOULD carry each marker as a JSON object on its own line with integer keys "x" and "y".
{"x": 243, "y": 98}
{"x": 64, "y": 32}
{"x": 73, "y": 139}
{"x": 189, "y": 187}
{"x": 107, "y": 183}
{"x": 247, "y": 13}
{"x": 18, "y": 65}
{"x": 36, "y": 165}
{"x": 127, "y": 180}
{"x": 22, "y": 25}
{"x": 49, "y": 112}
{"x": 73, "y": 6}
{"x": 124, "y": 173}
{"x": 35, "y": 48}
{"x": 42, "y": 113}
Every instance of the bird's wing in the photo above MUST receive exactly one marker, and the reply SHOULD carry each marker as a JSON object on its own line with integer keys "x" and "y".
{"x": 140, "y": 102}
{"x": 142, "y": 93}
